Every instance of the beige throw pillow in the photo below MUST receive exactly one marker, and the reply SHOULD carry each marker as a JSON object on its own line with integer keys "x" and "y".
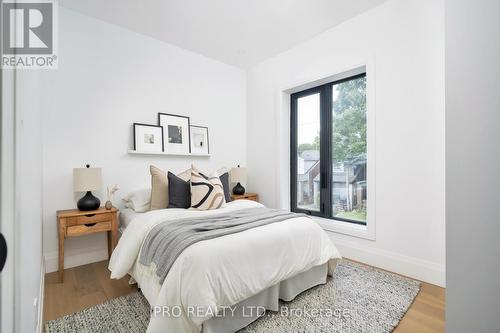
{"x": 207, "y": 192}
{"x": 159, "y": 186}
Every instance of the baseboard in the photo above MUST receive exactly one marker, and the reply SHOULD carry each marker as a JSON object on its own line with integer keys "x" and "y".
{"x": 39, "y": 325}
{"x": 409, "y": 266}
{"x": 76, "y": 259}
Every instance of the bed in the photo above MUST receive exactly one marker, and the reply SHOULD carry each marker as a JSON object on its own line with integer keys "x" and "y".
{"x": 212, "y": 282}
{"x": 125, "y": 217}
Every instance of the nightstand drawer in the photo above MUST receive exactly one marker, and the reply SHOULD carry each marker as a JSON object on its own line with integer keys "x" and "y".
{"x": 246, "y": 196}
{"x": 90, "y": 228}
{"x": 86, "y": 219}
{"x": 249, "y": 197}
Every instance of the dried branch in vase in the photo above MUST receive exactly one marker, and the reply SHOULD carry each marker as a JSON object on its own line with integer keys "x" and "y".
{"x": 111, "y": 192}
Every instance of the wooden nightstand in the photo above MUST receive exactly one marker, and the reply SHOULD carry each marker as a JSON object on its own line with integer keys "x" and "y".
{"x": 248, "y": 196}
{"x": 73, "y": 223}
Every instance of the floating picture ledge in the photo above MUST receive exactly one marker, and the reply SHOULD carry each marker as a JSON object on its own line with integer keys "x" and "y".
{"x": 135, "y": 152}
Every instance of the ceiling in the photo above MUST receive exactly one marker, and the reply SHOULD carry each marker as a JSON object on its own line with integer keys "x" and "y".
{"x": 236, "y": 32}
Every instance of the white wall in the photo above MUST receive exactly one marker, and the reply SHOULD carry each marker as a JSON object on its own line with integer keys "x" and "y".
{"x": 109, "y": 78}
{"x": 403, "y": 41}
{"x": 28, "y": 201}
{"x": 7, "y": 193}
{"x": 472, "y": 166}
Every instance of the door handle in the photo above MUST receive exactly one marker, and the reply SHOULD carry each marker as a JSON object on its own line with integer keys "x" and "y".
{"x": 3, "y": 251}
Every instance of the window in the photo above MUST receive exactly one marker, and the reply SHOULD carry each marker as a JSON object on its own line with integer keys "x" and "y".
{"x": 328, "y": 150}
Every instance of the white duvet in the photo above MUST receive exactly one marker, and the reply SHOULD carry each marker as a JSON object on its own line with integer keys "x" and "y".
{"x": 221, "y": 271}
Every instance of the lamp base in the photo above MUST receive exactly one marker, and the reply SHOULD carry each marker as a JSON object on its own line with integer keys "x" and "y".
{"x": 238, "y": 189}
{"x": 88, "y": 202}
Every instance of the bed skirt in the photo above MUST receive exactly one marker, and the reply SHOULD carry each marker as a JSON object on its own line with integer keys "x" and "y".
{"x": 246, "y": 311}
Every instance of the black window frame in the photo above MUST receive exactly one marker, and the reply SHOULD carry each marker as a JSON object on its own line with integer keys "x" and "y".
{"x": 325, "y": 139}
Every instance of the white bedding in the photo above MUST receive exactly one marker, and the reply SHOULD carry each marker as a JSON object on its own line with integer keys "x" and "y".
{"x": 222, "y": 271}
{"x": 125, "y": 217}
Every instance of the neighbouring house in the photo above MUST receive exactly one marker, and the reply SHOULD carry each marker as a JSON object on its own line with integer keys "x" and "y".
{"x": 307, "y": 171}
{"x": 349, "y": 185}
{"x": 348, "y": 178}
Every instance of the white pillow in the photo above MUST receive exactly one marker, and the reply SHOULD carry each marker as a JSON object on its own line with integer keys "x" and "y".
{"x": 222, "y": 171}
{"x": 138, "y": 209}
{"x": 138, "y": 200}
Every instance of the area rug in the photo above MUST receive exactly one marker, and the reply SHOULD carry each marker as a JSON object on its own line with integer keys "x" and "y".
{"x": 358, "y": 298}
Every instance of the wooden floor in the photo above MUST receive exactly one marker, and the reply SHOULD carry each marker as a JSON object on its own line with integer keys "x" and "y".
{"x": 88, "y": 285}
{"x": 83, "y": 287}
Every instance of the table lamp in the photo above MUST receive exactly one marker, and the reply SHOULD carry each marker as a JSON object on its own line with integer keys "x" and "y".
{"x": 238, "y": 175}
{"x": 86, "y": 180}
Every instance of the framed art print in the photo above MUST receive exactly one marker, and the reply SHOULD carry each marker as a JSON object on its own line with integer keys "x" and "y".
{"x": 175, "y": 133}
{"x": 199, "y": 140}
{"x": 148, "y": 138}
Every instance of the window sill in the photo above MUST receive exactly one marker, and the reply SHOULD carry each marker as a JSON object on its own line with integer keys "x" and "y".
{"x": 346, "y": 228}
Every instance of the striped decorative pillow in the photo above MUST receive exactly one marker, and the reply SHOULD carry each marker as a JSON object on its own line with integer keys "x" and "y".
{"x": 206, "y": 192}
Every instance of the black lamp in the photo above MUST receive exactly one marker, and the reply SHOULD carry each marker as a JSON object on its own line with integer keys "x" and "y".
{"x": 238, "y": 176}
{"x": 86, "y": 180}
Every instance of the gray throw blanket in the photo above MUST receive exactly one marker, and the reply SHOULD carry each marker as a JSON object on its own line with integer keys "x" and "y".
{"x": 166, "y": 241}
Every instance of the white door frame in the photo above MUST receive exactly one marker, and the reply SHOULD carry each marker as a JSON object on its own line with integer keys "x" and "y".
{"x": 7, "y": 199}
{"x": 7, "y": 196}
